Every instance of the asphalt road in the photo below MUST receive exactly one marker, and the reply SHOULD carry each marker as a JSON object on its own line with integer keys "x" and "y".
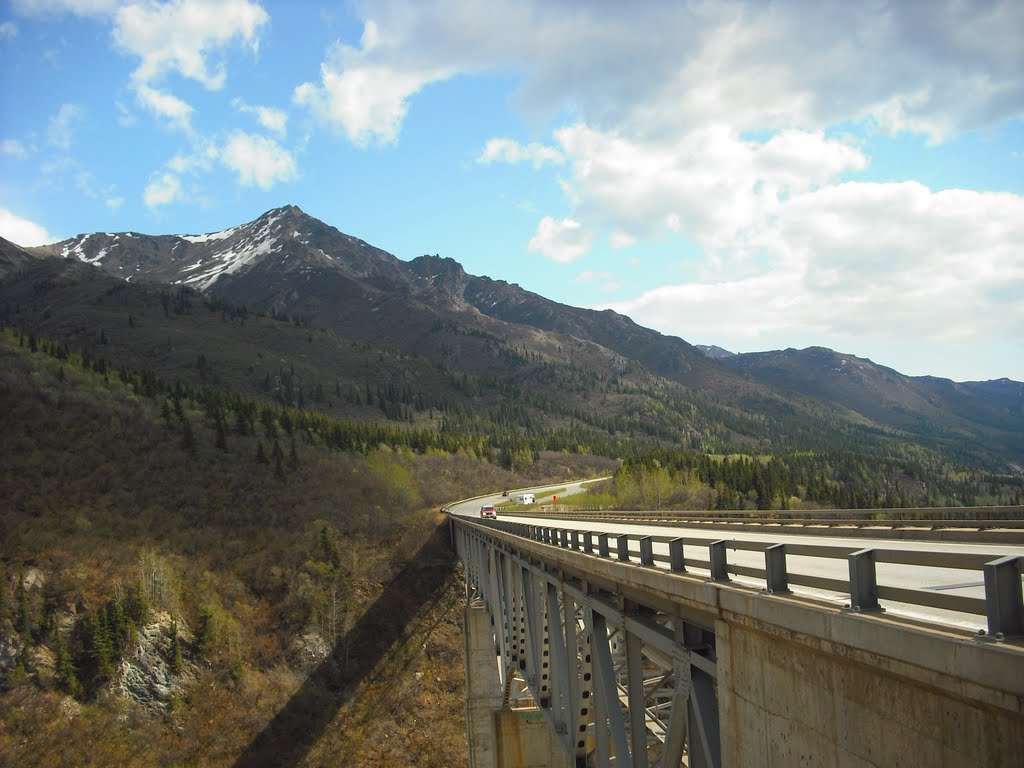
{"x": 952, "y": 581}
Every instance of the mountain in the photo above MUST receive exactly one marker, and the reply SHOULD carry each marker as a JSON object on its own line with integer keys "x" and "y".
{"x": 715, "y": 352}
{"x": 290, "y": 263}
{"x": 487, "y": 342}
{"x": 924, "y": 405}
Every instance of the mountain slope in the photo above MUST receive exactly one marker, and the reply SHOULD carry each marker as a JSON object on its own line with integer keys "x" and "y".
{"x": 924, "y": 406}
{"x": 287, "y": 263}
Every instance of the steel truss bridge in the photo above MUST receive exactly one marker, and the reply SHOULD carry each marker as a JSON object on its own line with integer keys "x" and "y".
{"x": 641, "y": 650}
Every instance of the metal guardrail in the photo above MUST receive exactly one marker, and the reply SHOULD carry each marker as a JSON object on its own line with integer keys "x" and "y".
{"x": 924, "y": 517}
{"x": 1003, "y": 604}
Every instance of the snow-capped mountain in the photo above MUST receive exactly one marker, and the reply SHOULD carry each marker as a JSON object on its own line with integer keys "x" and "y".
{"x": 291, "y": 239}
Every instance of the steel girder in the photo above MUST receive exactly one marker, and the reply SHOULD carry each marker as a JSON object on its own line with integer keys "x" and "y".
{"x": 621, "y": 683}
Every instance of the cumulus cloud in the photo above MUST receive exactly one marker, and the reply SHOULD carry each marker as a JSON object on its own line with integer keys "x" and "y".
{"x": 164, "y": 189}
{"x": 509, "y": 151}
{"x": 258, "y": 160}
{"x": 859, "y": 260}
{"x": 653, "y": 69}
{"x": 563, "y": 241}
{"x": 166, "y": 105}
{"x": 179, "y": 37}
{"x": 274, "y": 120}
{"x": 710, "y": 184}
{"x": 22, "y": 231}
{"x": 362, "y": 94}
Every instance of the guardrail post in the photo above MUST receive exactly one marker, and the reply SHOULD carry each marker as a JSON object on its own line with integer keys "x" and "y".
{"x": 775, "y": 569}
{"x": 602, "y": 545}
{"x": 719, "y": 562}
{"x": 623, "y": 547}
{"x": 646, "y": 551}
{"x": 1004, "y": 603}
{"x": 863, "y": 584}
{"x": 588, "y": 542}
{"x": 563, "y": 538}
{"x": 676, "y": 561}
{"x": 575, "y": 540}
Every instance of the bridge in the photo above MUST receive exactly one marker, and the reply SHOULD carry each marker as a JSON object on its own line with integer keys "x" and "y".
{"x": 597, "y": 640}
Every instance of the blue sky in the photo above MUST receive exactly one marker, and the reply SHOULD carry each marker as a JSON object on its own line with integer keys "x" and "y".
{"x": 752, "y": 175}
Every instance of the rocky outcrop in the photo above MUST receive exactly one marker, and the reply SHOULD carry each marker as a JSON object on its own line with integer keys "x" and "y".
{"x": 145, "y": 676}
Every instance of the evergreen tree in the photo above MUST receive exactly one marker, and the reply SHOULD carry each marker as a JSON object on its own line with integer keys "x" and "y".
{"x": 101, "y": 647}
{"x": 203, "y": 634}
{"x": 261, "y": 456}
{"x": 67, "y": 674}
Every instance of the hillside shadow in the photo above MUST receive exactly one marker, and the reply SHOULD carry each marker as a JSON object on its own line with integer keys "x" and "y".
{"x": 302, "y": 721}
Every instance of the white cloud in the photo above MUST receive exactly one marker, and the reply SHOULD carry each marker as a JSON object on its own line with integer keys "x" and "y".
{"x": 656, "y": 69}
{"x": 274, "y": 120}
{"x": 22, "y": 231}
{"x": 258, "y": 160}
{"x": 709, "y": 184}
{"x": 164, "y": 189}
{"x": 622, "y": 240}
{"x": 563, "y": 241}
{"x": 201, "y": 159}
{"x": 862, "y": 261}
{"x": 364, "y": 98}
{"x": 166, "y": 105}
{"x": 14, "y": 148}
{"x": 61, "y": 129}
{"x": 509, "y": 151}
{"x": 179, "y": 37}
{"x": 8, "y": 30}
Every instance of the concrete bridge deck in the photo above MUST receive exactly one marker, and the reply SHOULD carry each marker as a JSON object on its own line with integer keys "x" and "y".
{"x": 691, "y": 668}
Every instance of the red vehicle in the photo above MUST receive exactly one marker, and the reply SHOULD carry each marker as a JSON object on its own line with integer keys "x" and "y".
{"x": 488, "y": 510}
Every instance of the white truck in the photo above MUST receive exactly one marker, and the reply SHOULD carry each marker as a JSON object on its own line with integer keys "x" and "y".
{"x": 525, "y": 498}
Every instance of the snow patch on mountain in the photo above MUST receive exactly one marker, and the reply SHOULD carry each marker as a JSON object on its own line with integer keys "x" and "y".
{"x": 222, "y": 235}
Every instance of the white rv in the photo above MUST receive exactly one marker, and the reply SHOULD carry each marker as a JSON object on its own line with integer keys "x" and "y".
{"x": 525, "y": 498}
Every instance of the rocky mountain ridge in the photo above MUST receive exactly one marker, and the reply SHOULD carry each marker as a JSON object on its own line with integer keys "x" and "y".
{"x": 290, "y": 264}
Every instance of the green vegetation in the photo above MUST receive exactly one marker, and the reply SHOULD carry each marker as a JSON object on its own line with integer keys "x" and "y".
{"x": 220, "y": 529}
{"x": 678, "y": 479}
{"x": 129, "y": 548}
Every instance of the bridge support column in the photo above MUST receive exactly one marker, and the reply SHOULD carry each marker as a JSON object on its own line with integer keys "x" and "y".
{"x": 500, "y": 737}
{"x": 484, "y": 694}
